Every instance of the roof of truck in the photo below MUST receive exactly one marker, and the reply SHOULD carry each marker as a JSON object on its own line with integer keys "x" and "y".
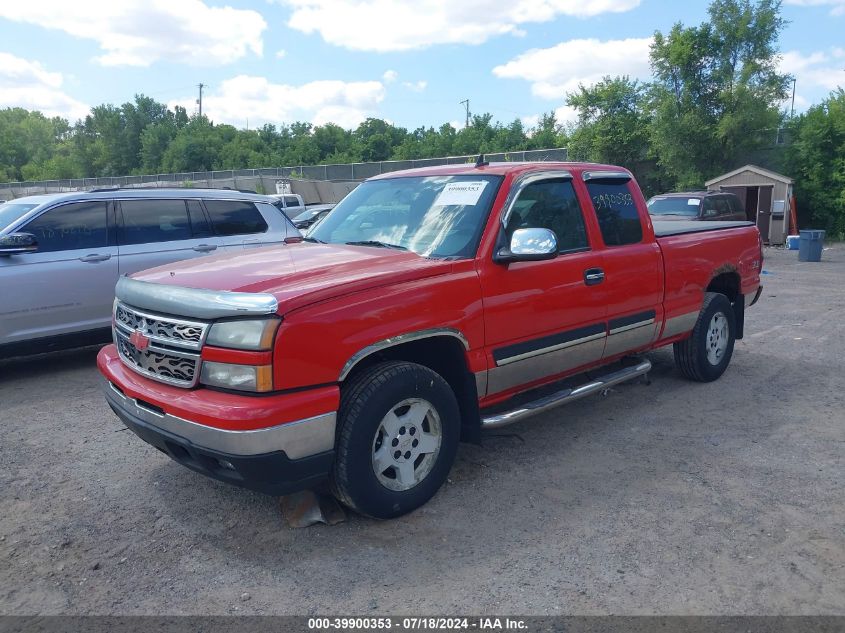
{"x": 500, "y": 169}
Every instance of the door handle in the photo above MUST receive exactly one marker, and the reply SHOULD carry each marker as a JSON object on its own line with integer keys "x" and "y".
{"x": 593, "y": 276}
{"x": 205, "y": 248}
{"x": 94, "y": 257}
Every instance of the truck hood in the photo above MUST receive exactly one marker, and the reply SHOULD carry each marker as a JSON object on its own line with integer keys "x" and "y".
{"x": 298, "y": 274}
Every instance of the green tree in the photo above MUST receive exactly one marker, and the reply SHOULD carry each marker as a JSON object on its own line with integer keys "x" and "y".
{"x": 547, "y": 133}
{"x": 196, "y": 147}
{"x": 28, "y": 142}
{"x": 612, "y": 122}
{"x": 816, "y": 161}
{"x": 716, "y": 90}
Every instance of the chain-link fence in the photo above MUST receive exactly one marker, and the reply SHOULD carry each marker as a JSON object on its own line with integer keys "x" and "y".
{"x": 342, "y": 172}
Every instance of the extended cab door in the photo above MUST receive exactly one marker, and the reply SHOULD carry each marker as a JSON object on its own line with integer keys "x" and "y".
{"x": 544, "y": 318}
{"x": 631, "y": 260}
{"x": 67, "y": 285}
{"x": 153, "y": 232}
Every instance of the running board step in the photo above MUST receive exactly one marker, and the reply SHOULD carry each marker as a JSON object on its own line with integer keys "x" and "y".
{"x": 564, "y": 396}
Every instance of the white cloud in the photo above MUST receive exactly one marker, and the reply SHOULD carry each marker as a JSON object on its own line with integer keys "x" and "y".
{"x": 820, "y": 69}
{"x": 281, "y": 53}
{"x": 389, "y": 25}
{"x": 530, "y": 120}
{"x": 27, "y": 84}
{"x": 415, "y": 86}
{"x": 565, "y": 115}
{"x": 261, "y": 101}
{"x": 390, "y": 76}
{"x": 140, "y": 32}
{"x": 837, "y": 7}
{"x": 555, "y": 71}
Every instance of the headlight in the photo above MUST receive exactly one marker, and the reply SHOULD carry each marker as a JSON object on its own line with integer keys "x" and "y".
{"x": 252, "y": 335}
{"x": 240, "y": 377}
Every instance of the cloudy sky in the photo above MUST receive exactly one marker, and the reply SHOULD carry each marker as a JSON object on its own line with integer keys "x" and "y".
{"x": 409, "y": 61}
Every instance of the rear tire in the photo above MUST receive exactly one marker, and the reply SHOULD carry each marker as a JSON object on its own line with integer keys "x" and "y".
{"x": 398, "y": 433}
{"x": 705, "y": 355}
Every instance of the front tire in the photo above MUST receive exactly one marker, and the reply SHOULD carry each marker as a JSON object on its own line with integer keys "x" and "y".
{"x": 705, "y": 355}
{"x": 398, "y": 433}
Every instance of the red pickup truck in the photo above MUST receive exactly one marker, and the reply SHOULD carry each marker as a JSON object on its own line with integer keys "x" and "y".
{"x": 427, "y": 306}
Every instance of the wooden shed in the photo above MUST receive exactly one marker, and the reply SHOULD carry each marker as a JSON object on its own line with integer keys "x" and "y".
{"x": 766, "y": 195}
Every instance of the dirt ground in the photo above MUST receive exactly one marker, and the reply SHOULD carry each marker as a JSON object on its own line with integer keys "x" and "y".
{"x": 668, "y": 498}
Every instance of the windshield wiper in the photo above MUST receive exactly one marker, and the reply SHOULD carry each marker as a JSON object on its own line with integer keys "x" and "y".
{"x": 312, "y": 239}
{"x": 376, "y": 243}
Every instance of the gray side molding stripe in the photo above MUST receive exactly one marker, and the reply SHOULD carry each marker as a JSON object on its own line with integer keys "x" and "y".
{"x": 198, "y": 303}
{"x": 398, "y": 340}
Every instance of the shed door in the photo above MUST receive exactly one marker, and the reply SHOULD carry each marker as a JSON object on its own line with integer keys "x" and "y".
{"x": 764, "y": 211}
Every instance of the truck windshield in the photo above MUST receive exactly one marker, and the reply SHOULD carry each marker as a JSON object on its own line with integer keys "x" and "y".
{"x": 672, "y": 205}
{"x": 9, "y": 212}
{"x": 433, "y": 216}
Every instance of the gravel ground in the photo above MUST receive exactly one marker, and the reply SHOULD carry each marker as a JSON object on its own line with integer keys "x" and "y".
{"x": 668, "y": 498}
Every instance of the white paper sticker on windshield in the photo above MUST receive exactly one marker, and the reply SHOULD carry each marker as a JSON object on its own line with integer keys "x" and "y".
{"x": 460, "y": 193}
{"x": 693, "y": 202}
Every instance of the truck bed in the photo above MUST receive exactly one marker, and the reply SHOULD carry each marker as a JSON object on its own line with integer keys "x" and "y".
{"x": 664, "y": 228}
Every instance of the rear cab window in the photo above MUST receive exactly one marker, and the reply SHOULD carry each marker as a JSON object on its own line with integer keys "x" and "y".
{"x": 616, "y": 210}
{"x": 235, "y": 217}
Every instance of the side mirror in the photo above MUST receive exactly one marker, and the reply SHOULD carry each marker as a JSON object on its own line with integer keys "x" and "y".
{"x": 15, "y": 243}
{"x": 529, "y": 245}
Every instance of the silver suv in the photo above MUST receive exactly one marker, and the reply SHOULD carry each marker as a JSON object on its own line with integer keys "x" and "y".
{"x": 61, "y": 254}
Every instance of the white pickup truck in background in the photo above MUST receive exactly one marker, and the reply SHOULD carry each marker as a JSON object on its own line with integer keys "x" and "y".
{"x": 291, "y": 204}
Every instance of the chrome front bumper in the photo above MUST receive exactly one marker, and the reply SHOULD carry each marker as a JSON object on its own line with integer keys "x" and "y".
{"x": 297, "y": 440}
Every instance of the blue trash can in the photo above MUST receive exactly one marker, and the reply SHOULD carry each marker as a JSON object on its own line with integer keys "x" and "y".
{"x": 810, "y": 246}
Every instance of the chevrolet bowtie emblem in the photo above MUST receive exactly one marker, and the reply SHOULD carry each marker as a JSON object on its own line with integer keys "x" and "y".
{"x": 139, "y": 340}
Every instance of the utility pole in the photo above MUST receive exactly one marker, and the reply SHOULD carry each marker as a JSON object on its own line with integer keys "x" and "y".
{"x": 199, "y": 101}
{"x": 792, "y": 109}
{"x": 466, "y": 103}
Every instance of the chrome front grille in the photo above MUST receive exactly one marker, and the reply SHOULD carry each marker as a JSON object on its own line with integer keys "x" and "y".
{"x": 168, "y": 330}
{"x": 160, "y": 347}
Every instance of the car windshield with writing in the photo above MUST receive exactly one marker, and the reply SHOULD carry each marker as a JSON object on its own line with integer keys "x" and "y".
{"x": 10, "y": 211}
{"x": 432, "y": 216}
{"x": 674, "y": 205}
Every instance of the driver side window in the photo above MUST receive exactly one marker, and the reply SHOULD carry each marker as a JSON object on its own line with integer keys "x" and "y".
{"x": 552, "y": 205}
